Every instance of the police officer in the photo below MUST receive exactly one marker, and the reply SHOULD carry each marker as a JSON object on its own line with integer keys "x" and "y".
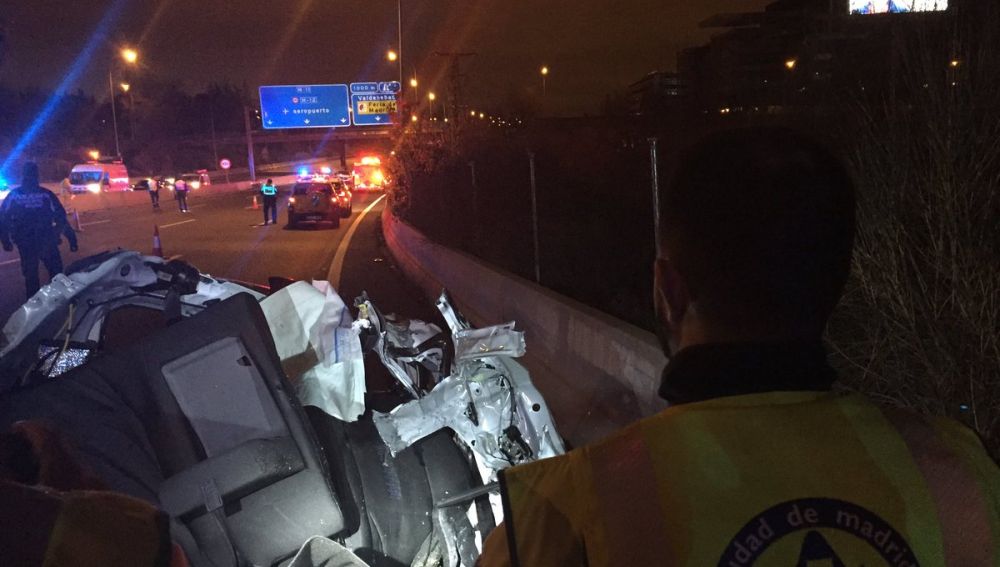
{"x": 757, "y": 461}
{"x": 181, "y": 194}
{"x": 33, "y": 218}
{"x": 270, "y": 194}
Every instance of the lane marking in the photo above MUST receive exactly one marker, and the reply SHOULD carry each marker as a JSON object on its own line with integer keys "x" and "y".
{"x": 337, "y": 267}
{"x": 95, "y": 222}
{"x": 177, "y": 223}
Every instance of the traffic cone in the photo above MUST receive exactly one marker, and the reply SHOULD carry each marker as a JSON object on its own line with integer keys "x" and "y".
{"x": 157, "y": 246}
{"x": 255, "y": 205}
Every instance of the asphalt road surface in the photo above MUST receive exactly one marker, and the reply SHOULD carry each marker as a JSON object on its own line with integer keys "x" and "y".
{"x": 223, "y": 237}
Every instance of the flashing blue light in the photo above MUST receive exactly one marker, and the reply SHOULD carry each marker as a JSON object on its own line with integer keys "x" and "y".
{"x": 303, "y": 172}
{"x": 98, "y": 39}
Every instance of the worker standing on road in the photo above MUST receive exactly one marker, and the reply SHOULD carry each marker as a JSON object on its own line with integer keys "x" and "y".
{"x": 33, "y": 218}
{"x": 270, "y": 194}
{"x": 181, "y": 194}
{"x": 757, "y": 461}
{"x": 154, "y": 193}
{"x": 65, "y": 194}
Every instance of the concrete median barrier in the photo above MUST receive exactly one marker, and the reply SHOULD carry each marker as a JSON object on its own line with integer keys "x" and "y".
{"x": 596, "y": 372}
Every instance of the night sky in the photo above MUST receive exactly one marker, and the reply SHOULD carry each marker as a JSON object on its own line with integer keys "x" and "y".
{"x": 593, "y": 47}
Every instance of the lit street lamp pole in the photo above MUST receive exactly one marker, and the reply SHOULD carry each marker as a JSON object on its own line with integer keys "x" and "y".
{"x": 129, "y": 56}
{"x": 431, "y": 96}
{"x": 545, "y": 74}
{"x": 399, "y": 37}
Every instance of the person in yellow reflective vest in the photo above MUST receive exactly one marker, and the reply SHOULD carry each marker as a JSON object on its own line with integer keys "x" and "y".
{"x": 270, "y": 193}
{"x": 757, "y": 461}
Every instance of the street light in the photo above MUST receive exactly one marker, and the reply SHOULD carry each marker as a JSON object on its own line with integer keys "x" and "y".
{"x": 413, "y": 82}
{"x": 130, "y": 56}
{"x": 790, "y": 64}
{"x": 431, "y": 97}
{"x": 392, "y": 55}
{"x": 399, "y": 37}
{"x": 545, "y": 74}
{"x": 94, "y": 155}
{"x": 125, "y": 87}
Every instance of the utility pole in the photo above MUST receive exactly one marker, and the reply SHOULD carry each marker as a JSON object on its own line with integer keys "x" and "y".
{"x": 215, "y": 147}
{"x": 246, "y": 124}
{"x": 455, "y": 77}
{"x": 655, "y": 176}
{"x": 534, "y": 218}
{"x": 114, "y": 111}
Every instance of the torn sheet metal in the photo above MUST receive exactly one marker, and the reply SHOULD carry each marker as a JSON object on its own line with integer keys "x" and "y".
{"x": 488, "y": 400}
{"x": 496, "y": 412}
{"x": 406, "y": 348}
{"x": 319, "y": 349}
{"x": 498, "y": 340}
{"x": 113, "y": 277}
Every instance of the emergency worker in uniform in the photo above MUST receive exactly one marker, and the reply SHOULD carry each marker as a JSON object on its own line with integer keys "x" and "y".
{"x": 757, "y": 461}
{"x": 181, "y": 194}
{"x": 33, "y": 218}
{"x": 154, "y": 193}
{"x": 270, "y": 194}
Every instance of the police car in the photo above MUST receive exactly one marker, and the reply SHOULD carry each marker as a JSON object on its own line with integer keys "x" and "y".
{"x": 316, "y": 201}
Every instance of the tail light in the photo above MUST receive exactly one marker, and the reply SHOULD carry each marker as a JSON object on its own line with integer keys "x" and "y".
{"x": 291, "y": 200}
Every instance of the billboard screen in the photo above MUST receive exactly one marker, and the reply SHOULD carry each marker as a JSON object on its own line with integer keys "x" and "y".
{"x": 896, "y": 6}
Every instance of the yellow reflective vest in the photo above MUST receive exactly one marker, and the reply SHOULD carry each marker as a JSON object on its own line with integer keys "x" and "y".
{"x": 786, "y": 478}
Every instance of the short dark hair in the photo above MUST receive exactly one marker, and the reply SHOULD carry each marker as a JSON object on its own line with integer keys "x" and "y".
{"x": 269, "y": 181}
{"x": 759, "y": 222}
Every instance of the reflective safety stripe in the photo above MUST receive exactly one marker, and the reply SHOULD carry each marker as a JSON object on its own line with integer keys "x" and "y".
{"x": 269, "y": 190}
{"x": 959, "y": 498}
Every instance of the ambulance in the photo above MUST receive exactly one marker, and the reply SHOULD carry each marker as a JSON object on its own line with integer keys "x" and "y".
{"x": 98, "y": 177}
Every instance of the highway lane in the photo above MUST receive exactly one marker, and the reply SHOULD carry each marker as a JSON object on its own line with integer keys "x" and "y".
{"x": 221, "y": 236}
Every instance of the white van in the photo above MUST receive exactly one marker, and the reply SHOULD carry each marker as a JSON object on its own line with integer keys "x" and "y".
{"x": 95, "y": 177}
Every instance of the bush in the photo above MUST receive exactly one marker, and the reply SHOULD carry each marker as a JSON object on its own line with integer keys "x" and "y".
{"x": 920, "y": 324}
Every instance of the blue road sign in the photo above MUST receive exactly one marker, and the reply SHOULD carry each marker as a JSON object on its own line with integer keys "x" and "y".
{"x": 305, "y": 106}
{"x": 385, "y": 87}
{"x": 360, "y": 88}
{"x": 373, "y": 109}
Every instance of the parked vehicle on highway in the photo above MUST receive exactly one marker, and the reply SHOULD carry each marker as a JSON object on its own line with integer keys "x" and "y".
{"x": 195, "y": 180}
{"x": 194, "y": 394}
{"x": 97, "y": 177}
{"x": 368, "y": 174}
{"x": 345, "y": 198}
{"x": 314, "y": 202}
{"x": 143, "y": 184}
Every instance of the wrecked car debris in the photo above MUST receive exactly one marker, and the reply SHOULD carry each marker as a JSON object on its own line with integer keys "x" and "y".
{"x": 488, "y": 400}
{"x": 167, "y": 377}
